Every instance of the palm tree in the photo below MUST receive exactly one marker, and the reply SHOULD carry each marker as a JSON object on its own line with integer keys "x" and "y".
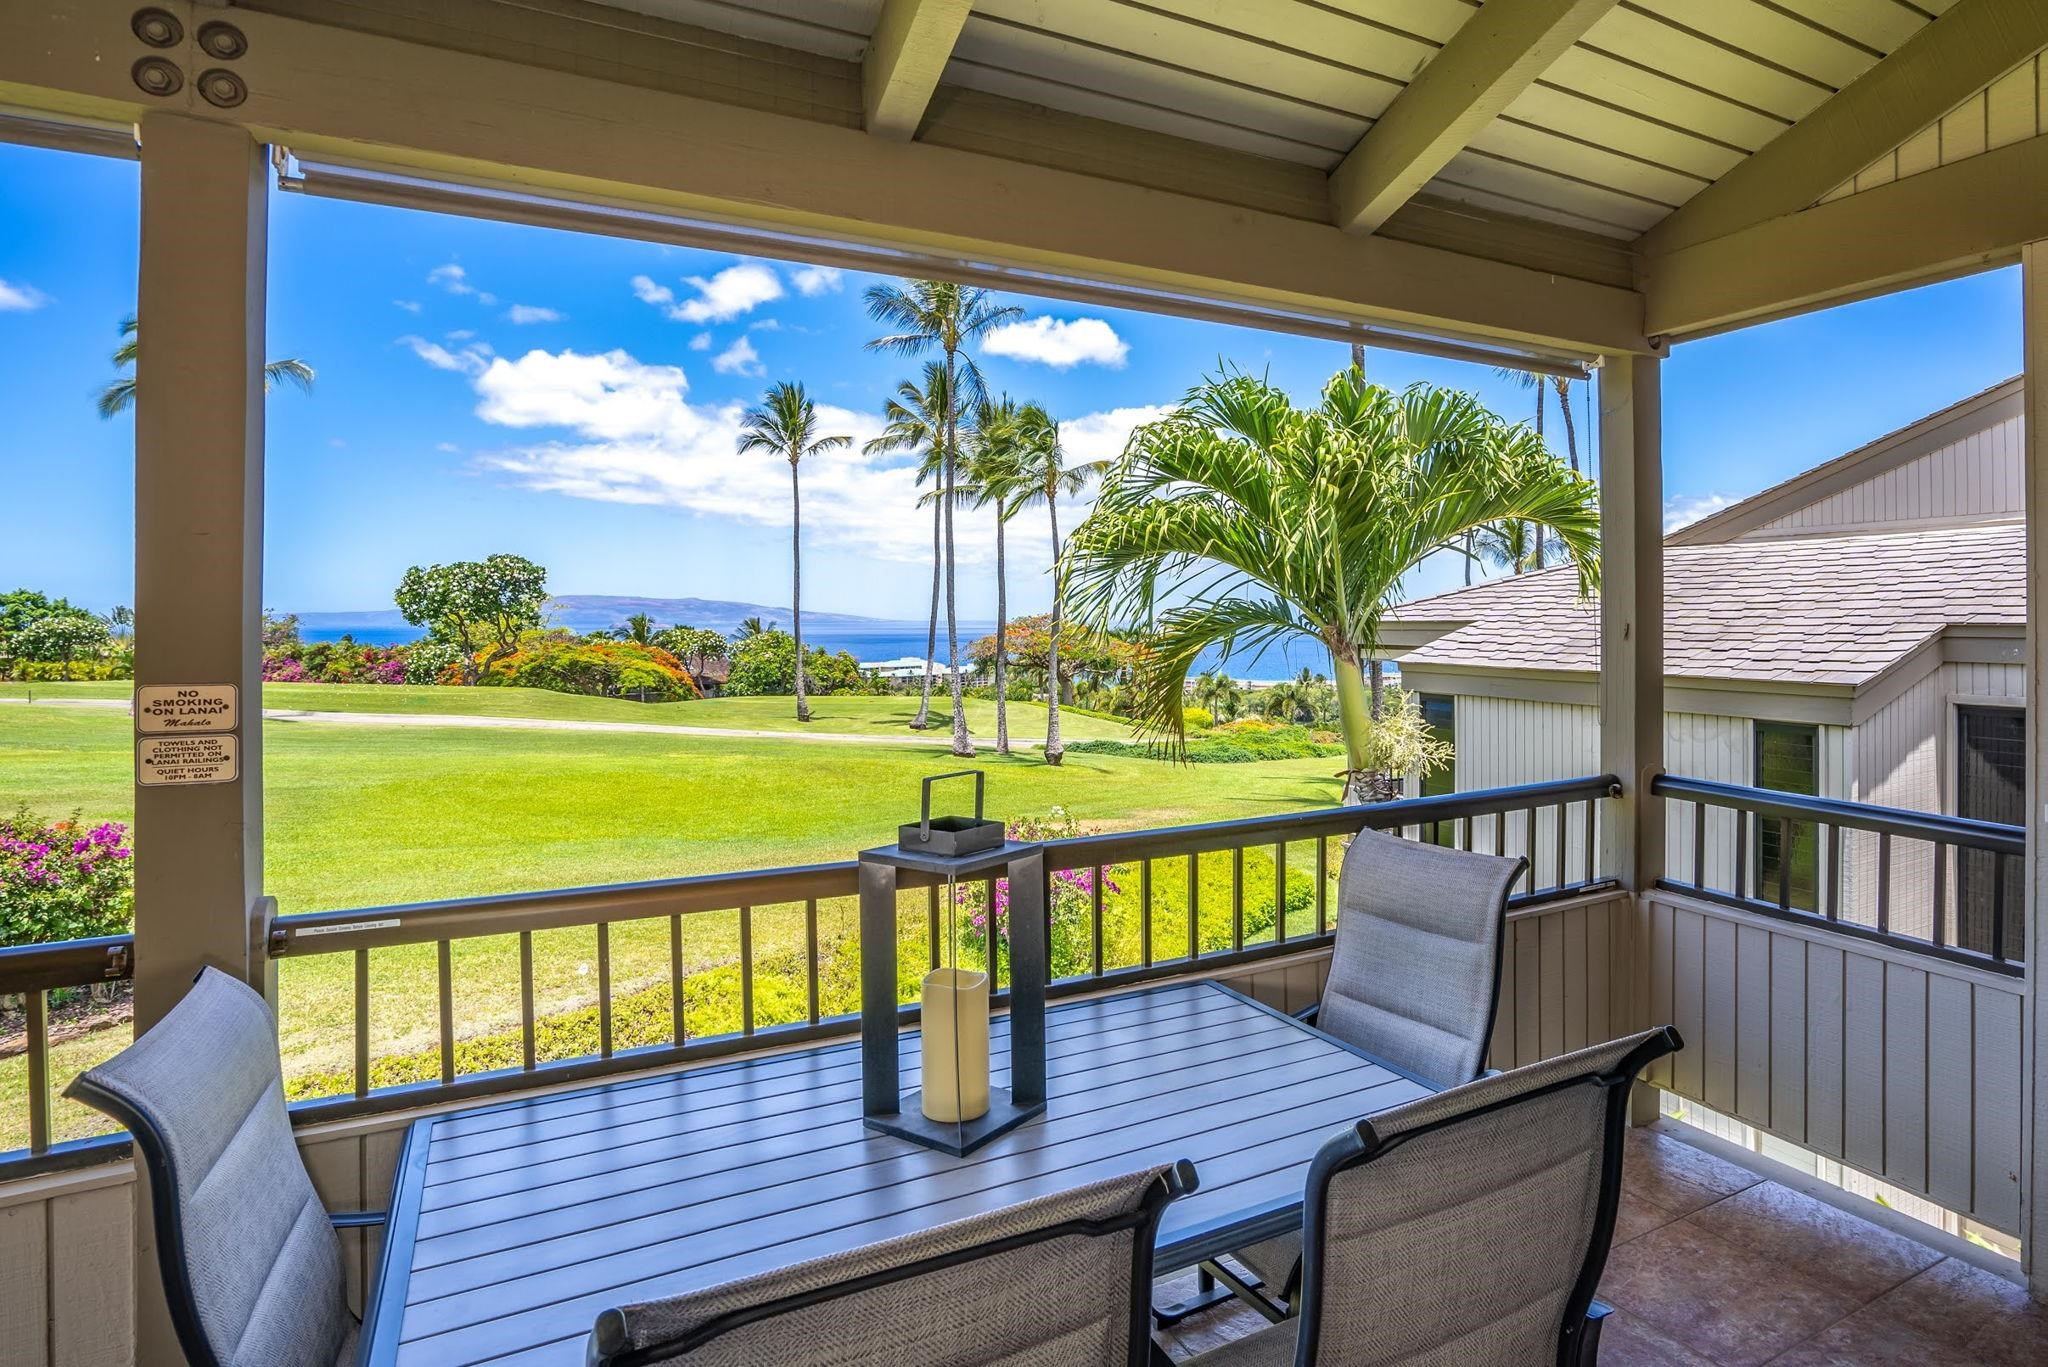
{"x": 995, "y": 473}
{"x": 1044, "y": 476}
{"x": 118, "y": 395}
{"x": 930, "y": 314}
{"x": 750, "y": 627}
{"x": 1515, "y": 546}
{"x": 640, "y": 628}
{"x": 915, "y": 421}
{"x": 785, "y": 424}
{"x": 1239, "y": 518}
{"x": 1220, "y": 694}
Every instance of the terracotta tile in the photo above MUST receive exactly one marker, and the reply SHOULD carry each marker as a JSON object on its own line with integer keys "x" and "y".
{"x": 1951, "y": 1302}
{"x": 1629, "y": 1341}
{"x": 1637, "y": 1217}
{"x": 1723, "y": 1303}
{"x": 1677, "y": 1176}
{"x": 1867, "y": 1340}
{"x": 1837, "y": 1249}
{"x": 2016, "y": 1337}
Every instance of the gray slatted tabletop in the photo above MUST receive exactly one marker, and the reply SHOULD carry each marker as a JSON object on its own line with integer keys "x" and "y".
{"x": 513, "y": 1225}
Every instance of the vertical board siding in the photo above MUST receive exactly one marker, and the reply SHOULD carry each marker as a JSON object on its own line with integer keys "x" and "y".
{"x": 1507, "y": 741}
{"x": 25, "y": 1284}
{"x": 1977, "y": 476}
{"x": 1559, "y": 972}
{"x": 2011, "y": 109}
{"x": 1905, "y": 757}
{"x": 1907, "y": 1069}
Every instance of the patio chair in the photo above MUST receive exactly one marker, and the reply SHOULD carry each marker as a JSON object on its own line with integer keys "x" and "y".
{"x": 1469, "y": 1227}
{"x": 1060, "y": 1281}
{"x": 1414, "y": 980}
{"x": 251, "y": 1263}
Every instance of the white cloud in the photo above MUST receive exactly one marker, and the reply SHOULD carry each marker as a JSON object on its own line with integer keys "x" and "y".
{"x": 647, "y": 292}
{"x": 1058, "y": 343}
{"x": 460, "y": 334}
{"x": 701, "y": 342}
{"x": 468, "y": 361}
{"x": 448, "y": 448}
{"x": 1682, "y": 510}
{"x": 625, "y": 432}
{"x": 812, "y": 281}
{"x": 1101, "y": 436}
{"x": 409, "y": 305}
{"x": 455, "y": 280}
{"x": 16, "y": 297}
{"x": 532, "y": 313}
{"x": 739, "y": 359}
{"x": 728, "y": 294}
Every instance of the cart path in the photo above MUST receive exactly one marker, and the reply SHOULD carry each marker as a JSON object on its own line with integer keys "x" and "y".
{"x": 286, "y": 714}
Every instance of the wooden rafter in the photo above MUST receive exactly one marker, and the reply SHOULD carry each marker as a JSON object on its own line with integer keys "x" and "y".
{"x": 1486, "y": 64}
{"x": 1923, "y": 78}
{"x": 913, "y": 42}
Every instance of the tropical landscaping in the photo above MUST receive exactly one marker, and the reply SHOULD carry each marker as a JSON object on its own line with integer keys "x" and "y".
{"x": 501, "y": 752}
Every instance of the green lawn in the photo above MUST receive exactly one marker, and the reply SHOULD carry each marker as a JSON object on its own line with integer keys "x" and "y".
{"x": 368, "y": 816}
{"x": 885, "y": 715}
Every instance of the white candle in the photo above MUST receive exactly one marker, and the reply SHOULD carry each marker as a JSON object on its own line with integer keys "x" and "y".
{"x": 955, "y": 1045}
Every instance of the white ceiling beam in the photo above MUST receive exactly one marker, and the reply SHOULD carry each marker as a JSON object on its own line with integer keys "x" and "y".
{"x": 1930, "y": 73}
{"x": 388, "y": 101}
{"x": 1969, "y": 215}
{"x": 913, "y": 42}
{"x": 1499, "y": 52}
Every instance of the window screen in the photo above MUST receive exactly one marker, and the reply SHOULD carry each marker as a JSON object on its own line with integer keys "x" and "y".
{"x": 1991, "y": 785}
{"x": 1440, "y": 715}
{"x": 1788, "y": 852}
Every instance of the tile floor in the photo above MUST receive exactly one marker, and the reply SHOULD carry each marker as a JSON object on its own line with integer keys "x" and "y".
{"x": 1715, "y": 1266}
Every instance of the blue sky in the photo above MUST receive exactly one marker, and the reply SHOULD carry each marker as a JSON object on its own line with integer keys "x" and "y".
{"x": 484, "y": 387}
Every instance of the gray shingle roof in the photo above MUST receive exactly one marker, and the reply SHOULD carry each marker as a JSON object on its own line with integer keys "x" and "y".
{"x": 1813, "y": 610}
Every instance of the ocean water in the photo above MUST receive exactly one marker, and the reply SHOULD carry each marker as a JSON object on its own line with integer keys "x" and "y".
{"x": 897, "y": 640}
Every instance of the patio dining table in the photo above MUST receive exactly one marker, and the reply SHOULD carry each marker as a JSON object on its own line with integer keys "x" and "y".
{"x": 513, "y": 1225}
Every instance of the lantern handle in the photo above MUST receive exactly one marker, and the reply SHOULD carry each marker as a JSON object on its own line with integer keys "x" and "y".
{"x": 924, "y": 825}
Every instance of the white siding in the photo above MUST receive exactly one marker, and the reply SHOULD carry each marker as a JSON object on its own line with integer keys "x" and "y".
{"x": 1901, "y": 1066}
{"x": 2011, "y": 109}
{"x": 1978, "y": 476}
{"x": 1905, "y": 757}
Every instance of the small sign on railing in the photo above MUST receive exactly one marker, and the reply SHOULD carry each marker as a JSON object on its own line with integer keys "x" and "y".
{"x": 186, "y": 707}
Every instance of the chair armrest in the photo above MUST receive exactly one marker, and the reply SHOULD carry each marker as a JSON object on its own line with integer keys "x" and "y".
{"x": 1486, "y": 1073}
{"x": 1307, "y": 1015}
{"x": 356, "y": 1219}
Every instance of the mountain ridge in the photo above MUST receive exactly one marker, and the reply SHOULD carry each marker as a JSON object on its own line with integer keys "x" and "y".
{"x": 592, "y": 611}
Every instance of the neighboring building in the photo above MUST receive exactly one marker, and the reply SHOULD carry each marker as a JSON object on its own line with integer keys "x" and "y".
{"x": 1854, "y": 632}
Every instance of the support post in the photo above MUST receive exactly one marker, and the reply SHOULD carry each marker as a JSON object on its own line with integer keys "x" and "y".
{"x": 1632, "y": 640}
{"x": 198, "y": 577}
{"x": 2034, "y": 1177}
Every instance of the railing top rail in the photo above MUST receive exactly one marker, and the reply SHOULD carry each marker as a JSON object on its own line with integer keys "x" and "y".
{"x": 66, "y": 963}
{"x": 1947, "y": 830}
{"x": 423, "y": 922}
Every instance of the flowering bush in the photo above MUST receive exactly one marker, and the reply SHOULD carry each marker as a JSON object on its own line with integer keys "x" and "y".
{"x": 1073, "y": 902}
{"x": 343, "y": 661}
{"x": 599, "y": 668}
{"x": 60, "y": 880}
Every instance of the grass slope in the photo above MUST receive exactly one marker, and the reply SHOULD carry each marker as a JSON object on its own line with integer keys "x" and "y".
{"x": 364, "y": 816}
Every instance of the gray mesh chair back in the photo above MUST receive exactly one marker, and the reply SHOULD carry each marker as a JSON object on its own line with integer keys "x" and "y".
{"x": 1471, "y": 1227}
{"x": 252, "y": 1268}
{"x": 1416, "y": 968}
{"x": 1060, "y": 1281}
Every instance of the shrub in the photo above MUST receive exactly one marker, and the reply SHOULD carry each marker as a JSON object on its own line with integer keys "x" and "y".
{"x": 1073, "y": 903}
{"x": 597, "y": 668}
{"x": 286, "y": 659}
{"x": 1197, "y": 718}
{"x": 62, "y": 880}
{"x": 764, "y": 664}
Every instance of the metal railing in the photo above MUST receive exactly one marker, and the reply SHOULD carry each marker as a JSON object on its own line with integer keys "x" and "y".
{"x": 28, "y": 975}
{"x": 1556, "y": 824}
{"x": 1789, "y": 856}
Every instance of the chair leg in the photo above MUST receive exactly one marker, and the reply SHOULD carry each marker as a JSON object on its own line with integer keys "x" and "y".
{"x": 1587, "y": 1351}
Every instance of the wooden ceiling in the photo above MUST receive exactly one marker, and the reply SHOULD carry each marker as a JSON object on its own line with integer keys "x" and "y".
{"x": 1657, "y": 100}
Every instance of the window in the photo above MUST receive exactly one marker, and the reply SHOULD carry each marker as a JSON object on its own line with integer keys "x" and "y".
{"x": 1991, "y": 785}
{"x": 1439, "y": 714}
{"x": 1787, "y": 852}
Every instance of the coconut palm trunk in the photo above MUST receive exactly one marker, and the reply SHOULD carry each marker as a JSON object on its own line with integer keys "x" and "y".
{"x": 1054, "y": 748}
{"x": 1002, "y": 645}
{"x": 1571, "y": 429}
{"x": 923, "y": 718}
{"x": 796, "y": 589}
{"x": 963, "y": 744}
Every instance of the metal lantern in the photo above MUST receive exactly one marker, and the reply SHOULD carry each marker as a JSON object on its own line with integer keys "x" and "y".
{"x": 955, "y": 1109}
